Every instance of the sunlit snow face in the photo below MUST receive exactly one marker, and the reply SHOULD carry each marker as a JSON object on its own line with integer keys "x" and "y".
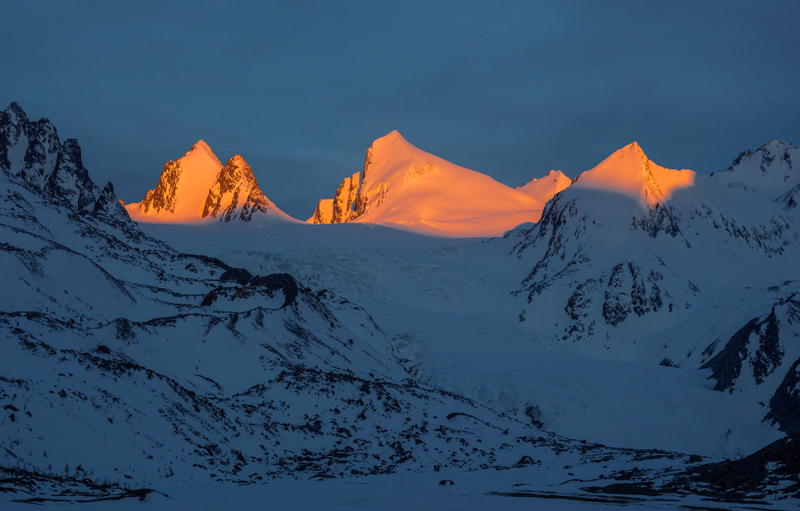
{"x": 629, "y": 172}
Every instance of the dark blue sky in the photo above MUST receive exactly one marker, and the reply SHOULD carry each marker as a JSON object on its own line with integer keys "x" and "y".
{"x": 301, "y": 89}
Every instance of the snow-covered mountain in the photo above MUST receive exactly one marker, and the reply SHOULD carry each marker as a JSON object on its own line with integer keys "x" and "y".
{"x": 642, "y": 263}
{"x": 651, "y": 310}
{"x": 662, "y": 222}
{"x": 769, "y": 169}
{"x": 198, "y": 188}
{"x": 405, "y": 187}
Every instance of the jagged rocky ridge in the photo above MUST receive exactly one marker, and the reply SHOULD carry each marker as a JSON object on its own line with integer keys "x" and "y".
{"x": 32, "y": 152}
{"x": 198, "y": 187}
{"x": 246, "y": 198}
{"x": 341, "y": 208}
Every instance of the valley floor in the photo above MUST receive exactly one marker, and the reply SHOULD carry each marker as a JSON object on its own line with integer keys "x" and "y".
{"x": 478, "y": 490}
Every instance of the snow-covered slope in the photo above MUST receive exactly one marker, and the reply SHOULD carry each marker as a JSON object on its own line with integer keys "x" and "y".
{"x": 198, "y": 188}
{"x": 640, "y": 263}
{"x": 545, "y": 188}
{"x": 404, "y": 187}
{"x": 769, "y": 169}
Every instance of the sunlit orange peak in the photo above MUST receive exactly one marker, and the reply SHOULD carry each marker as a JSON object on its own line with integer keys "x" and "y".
{"x": 630, "y": 172}
{"x": 197, "y": 188}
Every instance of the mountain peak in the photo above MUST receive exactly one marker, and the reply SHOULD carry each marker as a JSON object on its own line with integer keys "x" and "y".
{"x": 408, "y": 188}
{"x": 198, "y": 187}
{"x": 15, "y": 112}
{"x": 235, "y": 193}
{"x": 394, "y": 135}
{"x": 628, "y": 171}
{"x": 390, "y": 142}
{"x": 109, "y": 205}
{"x": 770, "y": 168}
{"x": 31, "y": 148}
{"x": 235, "y": 171}
{"x": 237, "y": 160}
{"x": 631, "y": 150}
{"x": 200, "y": 145}
{"x": 201, "y": 149}
{"x": 777, "y": 146}
{"x": 182, "y": 188}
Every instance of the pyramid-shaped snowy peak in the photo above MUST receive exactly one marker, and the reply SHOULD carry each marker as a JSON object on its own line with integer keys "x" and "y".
{"x": 629, "y": 172}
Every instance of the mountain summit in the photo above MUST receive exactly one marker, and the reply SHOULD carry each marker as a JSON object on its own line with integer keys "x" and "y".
{"x": 235, "y": 193}
{"x": 197, "y": 187}
{"x": 630, "y": 172}
{"x": 406, "y": 187}
{"x": 769, "y": 168}
{"x": 32, "y": 152}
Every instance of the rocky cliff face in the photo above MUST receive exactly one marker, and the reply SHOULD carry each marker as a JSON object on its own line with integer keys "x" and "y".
{"x": 762, "y": 359}
{"x": 235, "y": 193}
{"x": 198, "y": 187}
{"x": 109, "y": 206}
{"x": 164, "y": 195}
{"x": 345, "y": 198}
{"x": 324, "y": 212}
{"x": 32, "y": 152}
{"x": 28, "y": 149}
{"x": 756, "y": 345}
{"x": 340, "y": 209}
{"x": 364, "y": 198}
{"x": 70, "y": 179}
